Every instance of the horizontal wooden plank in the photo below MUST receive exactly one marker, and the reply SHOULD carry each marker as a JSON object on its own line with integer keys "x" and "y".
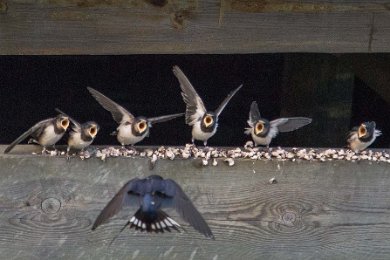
{"x": 315, "y": 210}
{"x": 162, "y": 26}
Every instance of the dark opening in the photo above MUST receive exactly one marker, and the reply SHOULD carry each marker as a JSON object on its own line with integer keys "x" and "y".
{"x": 337, "y": 91}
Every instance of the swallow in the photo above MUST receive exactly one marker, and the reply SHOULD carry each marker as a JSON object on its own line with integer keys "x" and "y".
{"x": 204, "y": 123}
{"x": 131, "y": 130}
{"x": 82, "y": 135}
{"x": 262, "y": 130}
{"x": 45, "y": 133}
{"x": 361, "y": 137}
{"x": 151, "y": 194}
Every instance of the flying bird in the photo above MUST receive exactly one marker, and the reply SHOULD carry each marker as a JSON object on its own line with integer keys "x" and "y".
{"x": 45, "y": 133}
{"x": 131, "y": 130}
{"x": 82, "y": 135}
{"x": 151, "y": 195}
{"x": 204, "y": 123}
{"x": 263, "y": 131}
{"x": 361, "y": 137}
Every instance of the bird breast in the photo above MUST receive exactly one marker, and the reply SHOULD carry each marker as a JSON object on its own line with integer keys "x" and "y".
{"x": 200, "y": 135}
{"x": 75, "y": 141}
{"x": 125, "y": 135}
{"x": 49, "y": 136}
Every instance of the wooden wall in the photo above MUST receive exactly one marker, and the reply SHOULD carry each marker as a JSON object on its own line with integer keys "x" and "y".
{"x": 175, "y": 26}
{"x": 330, "y": 210}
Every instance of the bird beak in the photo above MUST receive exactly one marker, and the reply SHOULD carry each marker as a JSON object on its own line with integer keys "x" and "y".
{"x": 65, "y": 123}
{"x": 259, "y": 128}
{"x": 362, "y": 131}
{"x": 142, "y": 126}
{"x": 208, "y": 120}
{"x": 93, "y": 131}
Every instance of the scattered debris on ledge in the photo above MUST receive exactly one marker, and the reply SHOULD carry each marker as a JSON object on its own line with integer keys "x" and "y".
{"x": 208, "y": 155}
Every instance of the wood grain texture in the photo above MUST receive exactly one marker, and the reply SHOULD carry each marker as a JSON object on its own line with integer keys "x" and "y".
{"x": 212, "y": 26}
{"x": 330, "y": 210}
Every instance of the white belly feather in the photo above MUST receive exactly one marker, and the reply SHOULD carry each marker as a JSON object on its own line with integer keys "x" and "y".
{"x": 75, "y": 141}
{"x": 261, "y": 140}
{"x": 126, "y": 137}
{"x": 49, "y": 137}
{"x": 198, "y": 134}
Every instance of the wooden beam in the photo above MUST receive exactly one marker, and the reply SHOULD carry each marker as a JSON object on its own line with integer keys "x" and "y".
{"x": 211, "y": 26}
{"x": 316, "y": 210}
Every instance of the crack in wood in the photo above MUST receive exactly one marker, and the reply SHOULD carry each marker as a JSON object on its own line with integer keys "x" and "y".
{"x": 371, "y": 33}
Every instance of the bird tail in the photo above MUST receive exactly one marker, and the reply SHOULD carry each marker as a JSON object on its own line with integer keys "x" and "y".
{"x": 156, "y": 223}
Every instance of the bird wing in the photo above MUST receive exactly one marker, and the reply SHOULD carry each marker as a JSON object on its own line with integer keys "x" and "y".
{"x": 124, "y": 197}
{"x": 35, "y": 130}
{"x": 76, "y": 125}
{"x": 254, "y": 114}
{"x": 289, "y": 124}
{"x": 195, "y": 108}
{"x": 184, "y": 207}
{"x": 119, "y": 113}
{"x": 226, "y": 101}
{"x": 160, "y": 119}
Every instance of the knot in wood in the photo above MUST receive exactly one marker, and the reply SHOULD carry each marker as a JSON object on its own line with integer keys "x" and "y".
{"x": 51, "y": 205}
{"x": 289, "y": 217}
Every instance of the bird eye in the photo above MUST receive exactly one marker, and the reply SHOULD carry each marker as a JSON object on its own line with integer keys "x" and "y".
{"x": 362, "y": 131}
{"x": 92, "y": 131}
{"x": 65, "y": 123}
{"x": 259, "y": 128}
{"x": 208, "y": 120}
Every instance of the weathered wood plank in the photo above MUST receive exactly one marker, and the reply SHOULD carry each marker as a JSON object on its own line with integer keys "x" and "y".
{"x": 316, "y": 210}
{"x": 133, "y": 27}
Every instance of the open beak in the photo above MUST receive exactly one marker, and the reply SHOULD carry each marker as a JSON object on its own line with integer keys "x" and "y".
{"x": 93, "y": 131}
{"x": 65, "y": 123}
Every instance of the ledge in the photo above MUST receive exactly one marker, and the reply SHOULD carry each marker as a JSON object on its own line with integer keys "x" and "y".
{"x": 332, "y": 209}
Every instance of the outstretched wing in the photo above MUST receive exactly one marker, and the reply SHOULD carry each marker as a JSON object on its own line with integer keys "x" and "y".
{"x": 185, "y": 208}
{"x": 226, "y": 101}
{"x": 154, "y": 120}
{"x": 195, "y": 107}
{"x": 289, "y": 124}
{"x": 254, "y": 114}
{"x": 119, "y": 113}
{"x": 76, "y": 125}
{"x": 35, "y": 130}
{"x": 124, "y": 197}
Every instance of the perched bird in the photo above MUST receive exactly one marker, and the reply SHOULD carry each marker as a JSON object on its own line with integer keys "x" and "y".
{"x": 131, "y": 130}
{"x": 204, "y": 123}
{"x": 263, "y": 131}
{"x": 151, "y": 195}
{"x": 361, "y": 137}
{"x": 45, "y": 133}
{"x": 82, "y": 135}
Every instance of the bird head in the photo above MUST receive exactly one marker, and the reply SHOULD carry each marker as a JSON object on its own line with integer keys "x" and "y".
{"x": 261, "y": 128}
{"x": 366, "y": 129}
{"x": 141, "y": 125}
{"x": 209, "y": 120}
{"x": 91, "y": 129}
{"x": 62, "y": 122}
